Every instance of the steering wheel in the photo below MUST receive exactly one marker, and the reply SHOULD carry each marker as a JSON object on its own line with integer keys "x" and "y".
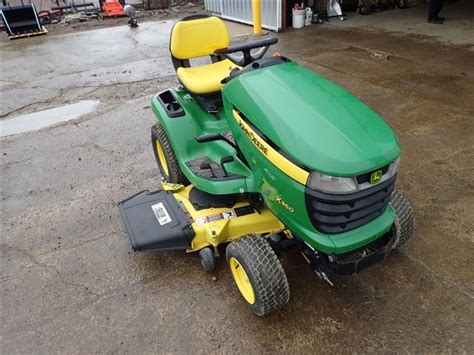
{"x": 245, "y": 48}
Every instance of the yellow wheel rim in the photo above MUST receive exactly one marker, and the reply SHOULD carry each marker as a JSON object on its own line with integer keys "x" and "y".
{"x": 161, "y": 156}
{"x": 242, "y": 280}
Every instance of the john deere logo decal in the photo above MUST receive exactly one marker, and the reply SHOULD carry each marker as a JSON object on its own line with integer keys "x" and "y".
{"x": 376, "y": 176}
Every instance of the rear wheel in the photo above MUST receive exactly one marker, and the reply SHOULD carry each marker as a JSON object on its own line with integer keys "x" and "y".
{"x": 258, "y": 274}
{"x": 165, "y": 157}
{"x": 404, "y": 218}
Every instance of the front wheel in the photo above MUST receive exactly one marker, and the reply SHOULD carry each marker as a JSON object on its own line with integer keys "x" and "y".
{"x": 404, "y": 218}
{"x": 258, "y": 274}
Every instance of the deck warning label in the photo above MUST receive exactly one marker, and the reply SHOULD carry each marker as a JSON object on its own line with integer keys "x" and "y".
{"x": 215, "y": 217}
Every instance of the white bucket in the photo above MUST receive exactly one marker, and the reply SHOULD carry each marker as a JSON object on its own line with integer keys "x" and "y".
{"x": 298, "y": 18}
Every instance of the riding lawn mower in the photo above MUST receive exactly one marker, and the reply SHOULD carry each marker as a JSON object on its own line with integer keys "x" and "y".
{"x": 259, "y": 155}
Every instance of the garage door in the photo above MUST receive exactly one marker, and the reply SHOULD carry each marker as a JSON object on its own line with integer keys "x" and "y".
{"x": 241, "y": 11}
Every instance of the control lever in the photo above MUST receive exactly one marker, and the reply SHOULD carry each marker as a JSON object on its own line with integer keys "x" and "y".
{"x": 205, "y": 165}
{"x": 226, "y": 160}
{"x": 204, "y": 138}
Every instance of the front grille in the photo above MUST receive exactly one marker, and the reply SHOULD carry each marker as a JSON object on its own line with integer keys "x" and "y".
{"x": 337, "y": 213}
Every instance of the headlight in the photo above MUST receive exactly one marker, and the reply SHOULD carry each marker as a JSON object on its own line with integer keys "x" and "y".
{"x": 344, "y": 185}
{"x": 394, "y": 167}
{"x": 332, "y": 184}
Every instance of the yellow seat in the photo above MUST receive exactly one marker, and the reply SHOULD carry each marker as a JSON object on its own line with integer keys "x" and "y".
{"x": 205, "y": 78}
{"x": 198, "y": 36}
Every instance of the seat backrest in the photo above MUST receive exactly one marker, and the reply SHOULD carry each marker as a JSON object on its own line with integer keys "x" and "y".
{"x": 198, "y": 36}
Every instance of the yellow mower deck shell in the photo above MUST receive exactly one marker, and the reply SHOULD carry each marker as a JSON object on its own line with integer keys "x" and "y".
{"x": 223, "y": 229}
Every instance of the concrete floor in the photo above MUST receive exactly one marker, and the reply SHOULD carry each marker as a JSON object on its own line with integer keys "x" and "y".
{"x": 457, "y": 29}
{"x": 70, "y": 282}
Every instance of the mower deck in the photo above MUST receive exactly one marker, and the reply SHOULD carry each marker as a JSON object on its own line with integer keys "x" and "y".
{"x": 178, "y": 219}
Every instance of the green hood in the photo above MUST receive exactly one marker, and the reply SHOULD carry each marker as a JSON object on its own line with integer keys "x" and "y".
{"x": 313, "y": 121}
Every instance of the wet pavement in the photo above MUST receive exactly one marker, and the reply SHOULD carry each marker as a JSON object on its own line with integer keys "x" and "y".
{"x": 40, "y": 119}
{"x": 70, "y": 282}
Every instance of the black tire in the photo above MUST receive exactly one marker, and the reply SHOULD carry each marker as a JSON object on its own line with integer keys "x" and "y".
{"x": 404, "y": 218}
{"x": 264, "y": 271}
{"x": 174, "y": 174}
{"x": 364, "y": 10}
{"x": 208, "y": 261}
